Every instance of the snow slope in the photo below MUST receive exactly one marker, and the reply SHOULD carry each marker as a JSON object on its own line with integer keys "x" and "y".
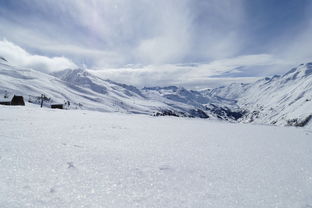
{"x": 81, "y": 90}
{"x": 282, "y": 100}
{"x": 53, "y": 158}
{"x": 206, "y": 106}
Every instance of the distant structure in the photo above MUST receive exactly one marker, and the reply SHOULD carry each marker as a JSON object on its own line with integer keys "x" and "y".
{"x": 12, "y": 100}
{"x": 57, "y": 106}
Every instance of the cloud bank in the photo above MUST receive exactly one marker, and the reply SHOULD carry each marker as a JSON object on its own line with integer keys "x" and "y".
{"x": 18, "y": 56}
{"x": 194, "y": 76}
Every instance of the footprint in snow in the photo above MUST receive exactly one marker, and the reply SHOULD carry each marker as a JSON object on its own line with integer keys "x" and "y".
{"x": 52, "y": 190}
{"x": 165, "y": 168}
{"x": 118, "y": 127}
{"x": 70, "y": 165}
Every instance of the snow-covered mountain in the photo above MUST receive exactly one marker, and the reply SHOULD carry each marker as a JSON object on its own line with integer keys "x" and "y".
{"x": 77, "y": 86}
{"x": 282, "y": 100}
{"x": 206, "y": 106}
{"x": 88, "y": 91}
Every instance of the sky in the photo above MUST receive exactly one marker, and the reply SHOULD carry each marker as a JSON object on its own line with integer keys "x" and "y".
{"x": 193, "y": 43}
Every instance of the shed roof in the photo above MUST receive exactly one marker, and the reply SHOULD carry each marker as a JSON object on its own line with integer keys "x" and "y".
{"x": 8, "y": 99}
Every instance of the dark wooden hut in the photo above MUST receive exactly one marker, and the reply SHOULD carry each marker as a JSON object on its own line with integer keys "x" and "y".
{"x": 12, "y": 100}
{"x": 57, "y": 106}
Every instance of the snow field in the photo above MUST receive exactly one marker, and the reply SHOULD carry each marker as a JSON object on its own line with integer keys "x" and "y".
{"x": 56, "y": 158}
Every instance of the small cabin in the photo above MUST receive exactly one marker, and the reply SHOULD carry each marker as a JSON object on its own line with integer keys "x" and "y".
{"x": 57, "y": 106}
{"x": 12, "y": 100}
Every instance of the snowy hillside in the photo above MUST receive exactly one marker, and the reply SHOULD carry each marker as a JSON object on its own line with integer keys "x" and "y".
{"x": 108, "y": 97}
{"x": 92, "y": 159}
{"x": 206, "y": 106}
{"x": 79, "y": 87}
{"x": 232, "y": 91}
{"x": 172, "y": 101}
{"x": 282, "y": 100}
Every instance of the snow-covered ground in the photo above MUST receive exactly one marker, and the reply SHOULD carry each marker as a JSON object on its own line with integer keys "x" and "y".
{"x": 55, "y": 158}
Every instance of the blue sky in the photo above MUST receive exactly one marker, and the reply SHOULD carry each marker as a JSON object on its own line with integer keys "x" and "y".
{"x": 143, "y": 39}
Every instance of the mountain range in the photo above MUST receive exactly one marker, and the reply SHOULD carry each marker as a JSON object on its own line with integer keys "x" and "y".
{"x": 278, "y": 100}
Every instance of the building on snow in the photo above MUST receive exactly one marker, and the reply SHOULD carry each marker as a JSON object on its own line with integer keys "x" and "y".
{"x": 12, "y": 100}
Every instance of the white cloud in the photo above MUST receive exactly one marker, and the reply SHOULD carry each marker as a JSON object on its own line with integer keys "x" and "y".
{"x": 18, "y": 56}
{"x": 192, "y": 75}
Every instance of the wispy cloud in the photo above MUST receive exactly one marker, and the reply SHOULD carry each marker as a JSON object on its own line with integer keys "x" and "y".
{"x": 191, "y": 75}
{"x": 118, "y": 32}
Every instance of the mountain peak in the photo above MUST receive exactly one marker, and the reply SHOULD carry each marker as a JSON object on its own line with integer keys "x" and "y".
{"x": 303, "y": 70}
{"x": 71, "y": 73}
{"x": 308, "y": 70}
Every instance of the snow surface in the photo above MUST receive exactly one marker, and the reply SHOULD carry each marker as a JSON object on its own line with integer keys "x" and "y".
{"x": 59, "y": 158}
